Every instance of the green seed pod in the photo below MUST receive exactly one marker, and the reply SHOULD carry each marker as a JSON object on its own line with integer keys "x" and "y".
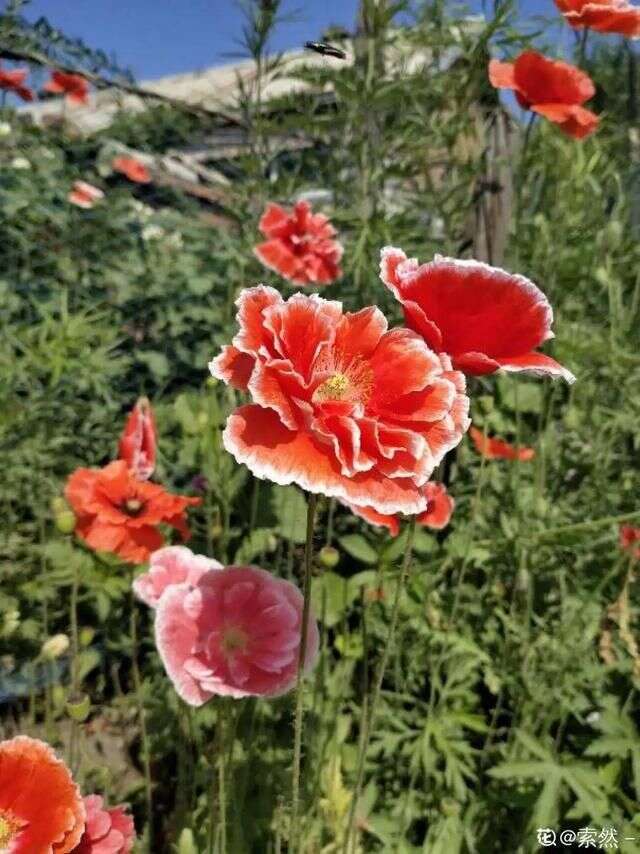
{"x": 328, "y": 557}
{"x": 66, "y": 522}
{"x": 79, "y": 710}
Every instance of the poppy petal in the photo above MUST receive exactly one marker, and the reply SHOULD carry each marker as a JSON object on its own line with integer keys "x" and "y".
{"x": 536, "y": 363}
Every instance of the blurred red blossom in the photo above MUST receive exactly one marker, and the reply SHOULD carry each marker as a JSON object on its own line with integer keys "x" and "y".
{"x": 484, "y": 318}
{"x": 341, "y": 406}
{"x": 133, "y": 169}
{"x": 551, "y": 88}
{"x": 107, "y": 831}
{"x": 41, "y": 810}
{"x": 235, "y": 632}
{"x": 437, "y": 515}
{"x": 118, "y": 513}
{"x": 84, "y": 195}
{"x": 73, "y": 86}
{"x": 300, "y": 245}
{"x": 13, "y": 81}
{"x": 137, "y": 445}
{"x": 630, "y": 540}
{"x": 497, "y": 449}
{"x": 605, "y": 16}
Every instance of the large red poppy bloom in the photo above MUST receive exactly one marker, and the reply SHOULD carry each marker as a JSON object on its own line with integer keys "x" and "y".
{"x": 137, "y": 446}
{"x": 300, "y": 245}
{"x": 485, "y": 318}
{"x": 120, "y": 514}
{"x": 605, "y": 16}
{"x": 497, "y": 449}
{"x": 341, "y": 406}
{"x": 13, "y": 81}
{"x": 41, "y": 810}
{"x": 551, "y": 88}
{"x": 437, "y": 515}
{"x": 107, "y": 831}
{"x": 630, "y": 540}
{"x": 133, "y": 169}
{"x": 73, "y": 86}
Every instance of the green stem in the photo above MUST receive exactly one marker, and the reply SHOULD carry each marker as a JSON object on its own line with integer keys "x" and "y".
{"x": 297, "y": 727}
{"x": 137, "y": 683}
{"x": 377, "y": 687}
{"x": 75, "y": 672}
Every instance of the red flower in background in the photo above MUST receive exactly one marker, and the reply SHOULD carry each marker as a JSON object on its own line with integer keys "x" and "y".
{"x": 605, "y": 16}
{"x": 300, "y": 245}
{"x": 497, "y": 449}
{"x": 13, "y": 81}
{"x": 84, "y": 195}
{"x": 108, "y": 831}
{"x": 553, "y": 89}
{"x": 341, "y": 406}
{"x": 41, "y": 811}
{"x": 630, "y": 540}
{"x": 437, "y": 515}
{"x": 485, "y": 318}
{"x": 118, "y": 513}
{"x": 137, "y": 445}
{"x": 73, "y": 86}
{"x": 133, "y": 169}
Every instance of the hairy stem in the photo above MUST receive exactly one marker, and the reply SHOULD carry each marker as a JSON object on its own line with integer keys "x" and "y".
{"x": 137, "y": 684}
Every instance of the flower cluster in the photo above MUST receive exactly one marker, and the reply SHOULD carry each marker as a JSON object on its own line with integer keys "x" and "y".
{"x": 43, "y": 812}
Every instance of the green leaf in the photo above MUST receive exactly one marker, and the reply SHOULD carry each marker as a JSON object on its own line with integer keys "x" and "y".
{"x": 356, "y": 546}
{"x": 290, "y": 509}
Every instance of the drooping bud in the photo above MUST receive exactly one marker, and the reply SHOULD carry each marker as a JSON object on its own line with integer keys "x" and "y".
{"x": 55, "y": 646}
{"x": 138, "y": 441}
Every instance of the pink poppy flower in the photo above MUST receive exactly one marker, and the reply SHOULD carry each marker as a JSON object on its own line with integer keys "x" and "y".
{"x": 235, "y": 633}
{"x": 486, "y": 319}
{"x": 133, "y": 169}
{"x": 108, "y": 831}
{"x": 341, "y": 406}
{"x": 498, "y": 449}
{"x": 13, "y": 81}
{"x": 84, "y": 195}
{"x": 437, "y": 515}
{"x": 137, "y": 445}
{"x": 300, "y": 246}
{"x": 73, "y": 86}
{"x": 171, "y": 565}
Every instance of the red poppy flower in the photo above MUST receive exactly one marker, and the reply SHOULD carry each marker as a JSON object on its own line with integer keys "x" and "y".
{"x": 605, "y": 16}
{"x": 497, "y": 449}
{"x": 553, "y": 89}
{"x": 133, "y": 169}
{"x": 300, "y": 246}
{"x": 485, "y": 318}
{"x": 137, "y": 445}
{"x": 73, "y": 86}
{"x": 341, "y": 406}
{"x": 13, "y": 81}
{"x": 437, "y": 515}
{"x": 41, "y": 811}
{"x": 107, "y": 831}
{"x": 84, "y": 195}
{"x": 120, "y": 514}
{"x": 629, "y": 537}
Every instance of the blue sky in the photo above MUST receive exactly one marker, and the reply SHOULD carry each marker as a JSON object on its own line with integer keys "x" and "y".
{"x": 156, "y": 37}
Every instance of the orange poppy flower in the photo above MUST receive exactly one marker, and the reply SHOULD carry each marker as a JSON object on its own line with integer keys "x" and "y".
{"x": 13, "y": 81}
{"x": 437, "y": 515}
{"x": 84, "y": 195}
{"x": 630, "y": 540}
{"x": 497, "y": 449}
{"x": 73, "y": 86}
{"x": 138, "y": 441}
{"x": 300, "y": 245}
{"x": 341, "y": 405}
{"x": 605, "y": 16}
{"x": 133, "y": 169}
{"x": 118, "y": 513}
{"x": 553, "y": 89}
{"x": 41, "y": 810}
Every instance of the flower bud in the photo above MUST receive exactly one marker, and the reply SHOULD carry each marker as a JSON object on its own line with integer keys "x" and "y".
{"x": 58, "y": 505}
{"x": 87, "y": 634}
{"x": 137, "y": 445}
{"x": 55, "y": 646}
{"x": 329, "y": 557}
{"x": 66, "y": 522}
{"x": 78, "y": 710}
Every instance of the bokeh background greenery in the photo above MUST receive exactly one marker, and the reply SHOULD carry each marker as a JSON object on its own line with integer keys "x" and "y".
{"x": 511, "y": 702}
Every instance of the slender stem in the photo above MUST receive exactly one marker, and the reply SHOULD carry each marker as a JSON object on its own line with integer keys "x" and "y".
{"x": 222, "y": 772}
{"x": 377, "y": 686}
{"x": 332, "y": 510}
{"x": 297, "y": 727}
{"x": 75, "y": 670}
{"x": 137, "y": 684}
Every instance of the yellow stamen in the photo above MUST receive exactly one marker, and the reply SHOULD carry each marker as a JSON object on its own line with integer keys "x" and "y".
{"x": 8, "y": 827}
{"x": 335, "y": 388}
{"x": 233, "y": 639}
